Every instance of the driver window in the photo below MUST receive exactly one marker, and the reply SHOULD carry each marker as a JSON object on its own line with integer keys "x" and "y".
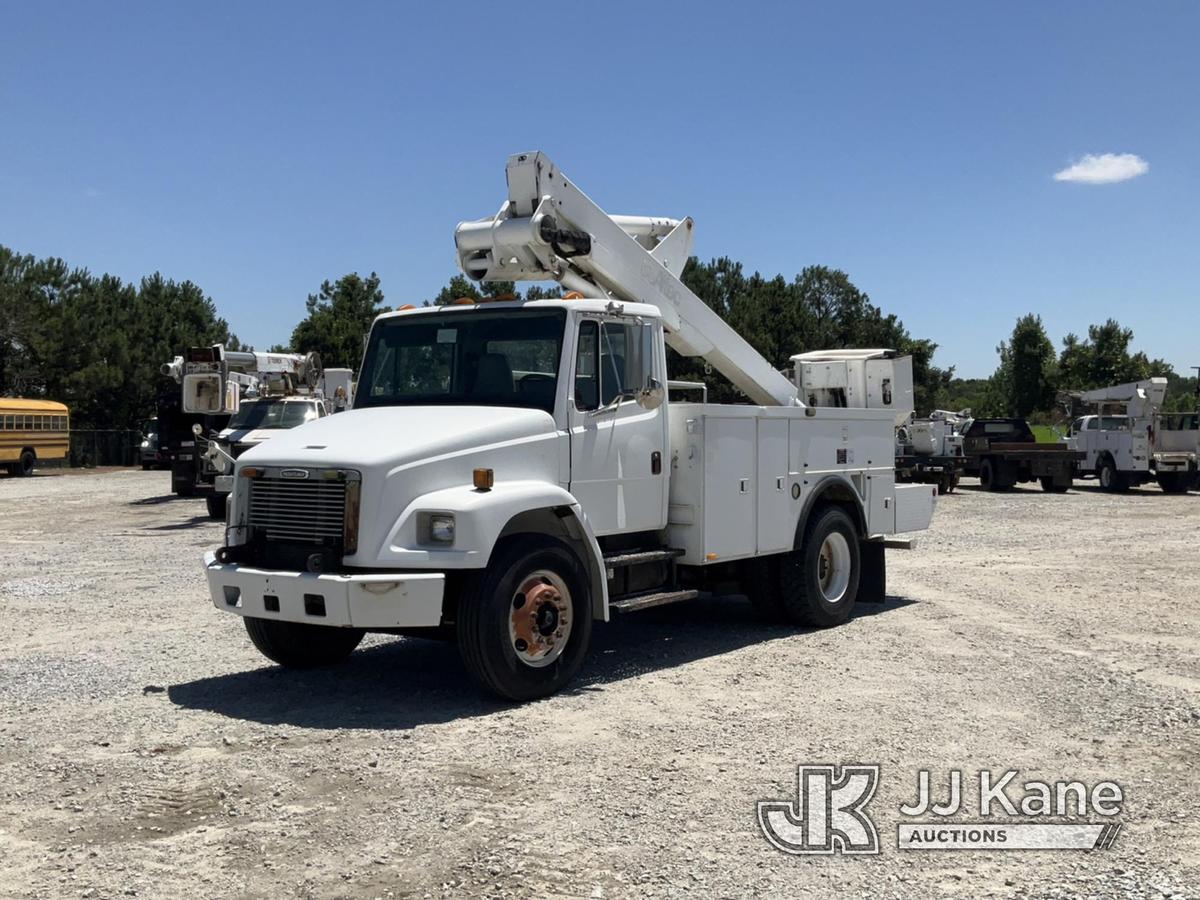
{"x": 614, "y": 357}
{"x": 608, "y": 363}
{"x": 587, "y": 372}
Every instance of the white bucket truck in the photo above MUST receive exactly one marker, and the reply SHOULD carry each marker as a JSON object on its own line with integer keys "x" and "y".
{"x": 1129, "y": 441}
{"x": 512, "y": 471}
{"x": 256, "y": 395}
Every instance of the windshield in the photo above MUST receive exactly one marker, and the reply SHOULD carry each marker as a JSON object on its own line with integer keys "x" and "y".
{"x": 475, "y": 357}
{"x": 256, "y": 414}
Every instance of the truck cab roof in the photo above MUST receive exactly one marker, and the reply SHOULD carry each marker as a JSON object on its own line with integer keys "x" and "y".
{"x": 1009, "y": 430}
{"x": 591, "y": 306}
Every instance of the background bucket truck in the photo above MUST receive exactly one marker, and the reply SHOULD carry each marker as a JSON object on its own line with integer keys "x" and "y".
{"x": 234, "y": 400}
{"x": 1128, "y": 441}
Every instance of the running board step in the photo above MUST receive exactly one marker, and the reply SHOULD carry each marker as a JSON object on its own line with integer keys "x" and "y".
{"x": 635, "y": 602}
{"x": 633, "y": 558}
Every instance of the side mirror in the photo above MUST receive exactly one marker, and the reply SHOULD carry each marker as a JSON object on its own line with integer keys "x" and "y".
{"x": 652, "y": 395}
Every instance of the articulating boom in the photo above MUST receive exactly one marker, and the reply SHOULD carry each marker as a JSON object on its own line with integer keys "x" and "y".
{"x": 549, "y": 230}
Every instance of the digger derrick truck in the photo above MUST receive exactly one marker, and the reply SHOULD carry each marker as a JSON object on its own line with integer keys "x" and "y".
{"x": 512, "y": 471}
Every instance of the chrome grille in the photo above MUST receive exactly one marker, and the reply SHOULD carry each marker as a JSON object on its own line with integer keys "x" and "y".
{"x": 306, "y": 510}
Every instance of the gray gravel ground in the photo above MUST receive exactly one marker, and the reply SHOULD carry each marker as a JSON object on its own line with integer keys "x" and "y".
{"x": 147, "y": 750}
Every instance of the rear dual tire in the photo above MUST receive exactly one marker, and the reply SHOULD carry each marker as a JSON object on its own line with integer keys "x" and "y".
{"x": 816, "y": 584}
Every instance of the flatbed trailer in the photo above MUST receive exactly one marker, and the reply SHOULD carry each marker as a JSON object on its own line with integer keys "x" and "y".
{"x": 1004, "y": 452}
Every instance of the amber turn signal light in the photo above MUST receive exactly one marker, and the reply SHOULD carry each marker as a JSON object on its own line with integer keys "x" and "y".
{"x": 484, "y": 479}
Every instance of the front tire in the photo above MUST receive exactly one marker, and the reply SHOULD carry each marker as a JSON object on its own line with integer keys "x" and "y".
{"x": 1110, "y": 479}
{"x": 988, "y": 479}
{"x": 216, "y": 504}
{"x": 819, "y": 582}
{"x": 524, "y": 630}
{"x": 1175, "y": 482}
{"x": 1051, "y": 487}
{"x": 296, "y": 645}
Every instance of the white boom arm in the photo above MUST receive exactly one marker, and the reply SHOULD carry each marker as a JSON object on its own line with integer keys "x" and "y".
{"x": 550, "y": 230}
{"x": 1142, "y": 398}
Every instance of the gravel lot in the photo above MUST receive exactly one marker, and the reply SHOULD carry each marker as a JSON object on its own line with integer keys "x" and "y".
{"x": 147, "y": 750}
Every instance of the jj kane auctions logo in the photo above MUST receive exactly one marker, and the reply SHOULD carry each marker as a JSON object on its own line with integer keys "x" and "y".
{"x": 829, "y": 814}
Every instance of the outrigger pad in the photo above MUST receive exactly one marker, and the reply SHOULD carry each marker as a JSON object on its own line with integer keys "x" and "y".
{"x": 872, "y": 582}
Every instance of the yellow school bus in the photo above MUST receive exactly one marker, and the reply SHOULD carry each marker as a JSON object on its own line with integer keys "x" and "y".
{"x": 32, "y": 431}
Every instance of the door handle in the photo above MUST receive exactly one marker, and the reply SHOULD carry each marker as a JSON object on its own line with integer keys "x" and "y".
{"x": 655, "y": 463}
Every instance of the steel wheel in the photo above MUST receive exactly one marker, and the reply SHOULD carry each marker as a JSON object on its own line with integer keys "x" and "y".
{"x": 539, "y": 624}
{"x": 818, "y": 581}
{"x": 834, "y": 567}
{"x": 524, "y": 622}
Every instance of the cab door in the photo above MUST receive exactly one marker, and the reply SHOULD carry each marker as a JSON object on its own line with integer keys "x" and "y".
{"x": 618, "y": 447}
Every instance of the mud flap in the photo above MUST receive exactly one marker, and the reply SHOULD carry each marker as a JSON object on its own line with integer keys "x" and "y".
{"x": 872, "y": 581}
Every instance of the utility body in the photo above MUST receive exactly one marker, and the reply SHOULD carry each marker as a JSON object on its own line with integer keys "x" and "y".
{"x": 1129, "y": 441}
{"x": 1004, "y": 452}
{"x": 512, "y": 471}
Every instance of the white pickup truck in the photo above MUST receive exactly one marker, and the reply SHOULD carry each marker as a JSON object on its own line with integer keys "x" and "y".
{"x": 511, "y": 472}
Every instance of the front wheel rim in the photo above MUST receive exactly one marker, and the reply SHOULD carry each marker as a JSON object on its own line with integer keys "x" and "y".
{"x": 833, "y": 567}
{"x": 540, "y": 619}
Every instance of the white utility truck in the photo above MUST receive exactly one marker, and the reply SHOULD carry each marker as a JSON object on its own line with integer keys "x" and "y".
{"x": 276, "y": 405}
{"x": 1129, "y": 442}
{"x": 930, "y": 450}
{"x": 235, "y": 392}
{"x": 512, "y": 471}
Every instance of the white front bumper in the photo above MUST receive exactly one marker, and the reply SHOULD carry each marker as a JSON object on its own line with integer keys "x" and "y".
{"x": 384, "y": 600}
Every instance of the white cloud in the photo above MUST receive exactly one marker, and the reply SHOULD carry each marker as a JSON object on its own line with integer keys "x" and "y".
{"x": 1104, "y": 168}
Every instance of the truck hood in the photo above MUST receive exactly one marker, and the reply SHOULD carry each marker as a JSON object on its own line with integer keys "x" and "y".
{"x": 394, "y": 436}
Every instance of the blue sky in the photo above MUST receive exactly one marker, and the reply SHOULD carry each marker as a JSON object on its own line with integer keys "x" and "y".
{"x": 258, "y": 149}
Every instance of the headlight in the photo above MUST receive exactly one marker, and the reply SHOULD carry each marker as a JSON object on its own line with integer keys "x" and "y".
{"x": 145, "y": 444}
{"x": 441, "y": 529}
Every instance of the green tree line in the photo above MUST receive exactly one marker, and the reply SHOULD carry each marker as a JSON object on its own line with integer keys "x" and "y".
{"x": 96, "y": 342}
{"x": 1033, "y": 380}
